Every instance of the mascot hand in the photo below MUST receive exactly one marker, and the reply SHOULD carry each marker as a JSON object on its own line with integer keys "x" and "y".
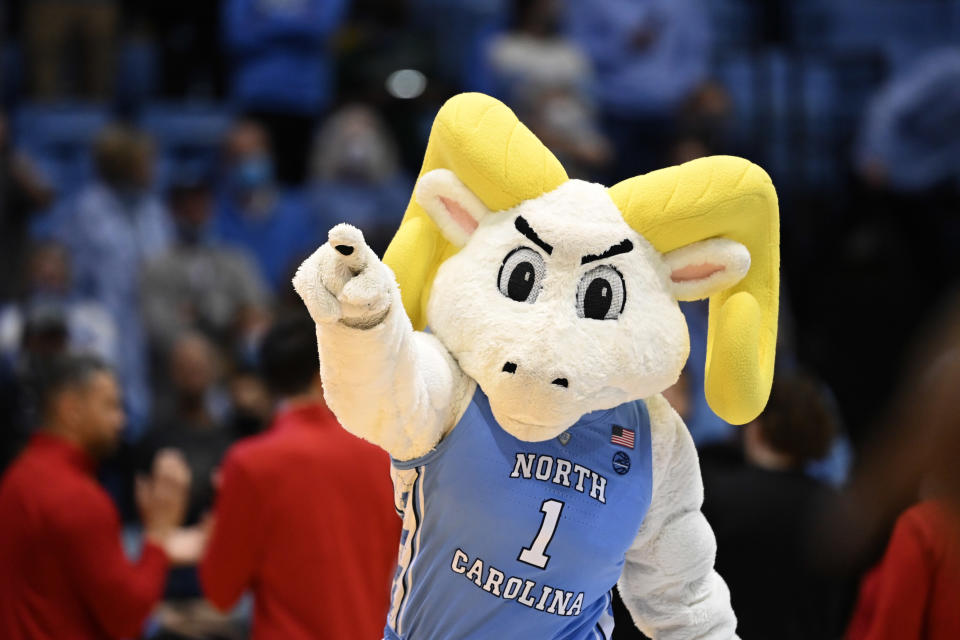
{"x": 344, "y": 281}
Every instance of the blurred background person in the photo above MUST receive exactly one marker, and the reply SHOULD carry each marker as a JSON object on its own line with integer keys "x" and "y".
{"x": 305, "y": 513}
{"x": 192, "y": 419}
{"x": 192, "y": 422}
{"x": 63, "y": 33}
{"x": 909, "y": 138}
{"x": 113, "y": 225}
{"x": 199, "y": 282}
{"x": 63, "y": 572}
{"x": 649, "y": 56}
{"x": 911, "y": 591}
{"x": 356, "y": 175}
{"x": 43, "y": 335}
{"x": 23, "y": 194}
{"x": 256, "y": 213}
{"x": 48, "y": 291}
{"x": 763, "y": 508}
{"x": 282, "y": 72}
{"x": 547, "y": 77}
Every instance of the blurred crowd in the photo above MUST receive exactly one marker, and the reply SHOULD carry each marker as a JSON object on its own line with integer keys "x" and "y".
{"x": 166, "y": 165}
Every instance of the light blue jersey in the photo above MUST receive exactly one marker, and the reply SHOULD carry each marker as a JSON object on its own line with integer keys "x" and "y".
{"x": 523, "y": 538}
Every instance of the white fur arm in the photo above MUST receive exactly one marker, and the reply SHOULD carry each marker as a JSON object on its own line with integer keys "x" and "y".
{"x": 668, "y": 581}
{"x": 386, "y": 383}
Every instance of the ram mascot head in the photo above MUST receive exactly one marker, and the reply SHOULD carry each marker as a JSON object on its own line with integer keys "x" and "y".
{"x": 560, "y": 297}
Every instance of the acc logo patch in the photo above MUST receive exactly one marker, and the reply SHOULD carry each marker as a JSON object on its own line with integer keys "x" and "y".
{"x": 621, "y": 462}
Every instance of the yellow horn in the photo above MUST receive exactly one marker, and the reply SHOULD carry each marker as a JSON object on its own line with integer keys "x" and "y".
{"x": 726, "y": 197}
{"x": 498, "y": 158}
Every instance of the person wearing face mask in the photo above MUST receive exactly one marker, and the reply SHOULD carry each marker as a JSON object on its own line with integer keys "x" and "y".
{"x": 282, "y": 72}
{"x": 88, "y": 326}
{"x": 256, "y": 213}
{"x": 110, "y": 229}
{"x": 200, "y": 283}
{"x": 356, "y": 175}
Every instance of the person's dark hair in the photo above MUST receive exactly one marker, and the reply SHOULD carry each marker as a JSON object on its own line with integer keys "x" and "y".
{"x": 117, "y": 150}
{"x": 55, "y": 374}
{"x": 800, "y": 419}
{"x": 288, "y": 355}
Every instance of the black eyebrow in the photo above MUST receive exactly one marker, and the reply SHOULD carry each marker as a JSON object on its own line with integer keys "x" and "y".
{"x": 615, "y": 250}
{"x": 524, "y": 227}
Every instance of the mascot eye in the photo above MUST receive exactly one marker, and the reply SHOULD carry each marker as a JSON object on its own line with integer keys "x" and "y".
{"x": 601, "y": 294}
{"x": 521, "y": 275}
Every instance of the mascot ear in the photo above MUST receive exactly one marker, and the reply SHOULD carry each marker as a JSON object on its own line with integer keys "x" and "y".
{"x": 702, "y": 269}
{"x": 450, "y": 204}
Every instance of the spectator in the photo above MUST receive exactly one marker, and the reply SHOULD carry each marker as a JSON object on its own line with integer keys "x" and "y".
{"x": 112, "y": 227}
{"x": 51, "y": 26}
{"x": 282, "y": 71}
{"x": 254, "y": 213}
{"x": 88, "y": 326}
{"x": 912, "y": 591}
{"x": 649, "y": 56}
{"x": 63, "y": 573}
{"x": 252, "y": 407}
{"x": 23, "y": 193}
{"x": 763, "y": 510}
{"x": 547, "y": 77}
{"x": 305, "y": 512}
{"x": 460, "y": 30}
{"x": 193, "y": 423}
{"x": 199, "y": 283}
{"x": 42, "y": 336}
{"x": 357, "y": 176}
{"x": 910, "y": 139}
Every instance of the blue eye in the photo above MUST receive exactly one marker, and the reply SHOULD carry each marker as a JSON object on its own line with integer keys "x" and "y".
{"x": 521, "y": 275}
{"x": 601, "y": 294}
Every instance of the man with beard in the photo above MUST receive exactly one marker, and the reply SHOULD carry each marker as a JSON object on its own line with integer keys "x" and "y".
{"x": 63, "y": 572}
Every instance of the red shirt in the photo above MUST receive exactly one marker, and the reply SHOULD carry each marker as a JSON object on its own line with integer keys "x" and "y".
{"x": 63, "y": 573}
{"x": 914, "y": 593}
{"x": 305, "y": 519}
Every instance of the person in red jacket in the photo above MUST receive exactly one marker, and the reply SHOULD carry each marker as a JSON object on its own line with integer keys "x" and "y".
{"x": 63, "y": 572}
{"x": 912, "y": 593}
{"x": 305, "y": 514}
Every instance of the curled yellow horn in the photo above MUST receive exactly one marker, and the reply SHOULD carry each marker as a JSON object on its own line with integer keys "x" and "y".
{"x": 495, "y": 156}
{"x": 726, "y": 197}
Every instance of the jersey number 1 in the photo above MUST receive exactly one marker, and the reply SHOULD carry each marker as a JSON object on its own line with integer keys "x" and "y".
{"x": 535, "y": 554}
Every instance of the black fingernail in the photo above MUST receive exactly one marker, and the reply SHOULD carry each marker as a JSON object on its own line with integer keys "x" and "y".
{"x": 345, "y": 249}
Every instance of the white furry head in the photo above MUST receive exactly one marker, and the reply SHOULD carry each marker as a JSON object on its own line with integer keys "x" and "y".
{"x": 557, "y": 307}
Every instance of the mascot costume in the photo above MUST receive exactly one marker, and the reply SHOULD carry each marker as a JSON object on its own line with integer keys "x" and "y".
{"x": 509, "y": 354}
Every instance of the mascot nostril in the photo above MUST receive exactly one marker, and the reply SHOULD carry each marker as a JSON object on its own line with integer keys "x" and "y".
{"x": 523, "y": 508}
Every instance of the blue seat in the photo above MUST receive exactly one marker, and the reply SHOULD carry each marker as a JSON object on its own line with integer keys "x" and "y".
{"x": 734, "y": 24}
{"x": 11, "y": 72}
{"x": 186, "y": 134}
{"x": 186, "y": 125}
{"x": 860, "y": 26}
{"x": 137, "y": 64}
{"x": 58, "y": 137}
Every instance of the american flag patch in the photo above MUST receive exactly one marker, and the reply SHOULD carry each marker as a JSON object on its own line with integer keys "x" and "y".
{"x": 621, "y": 436}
